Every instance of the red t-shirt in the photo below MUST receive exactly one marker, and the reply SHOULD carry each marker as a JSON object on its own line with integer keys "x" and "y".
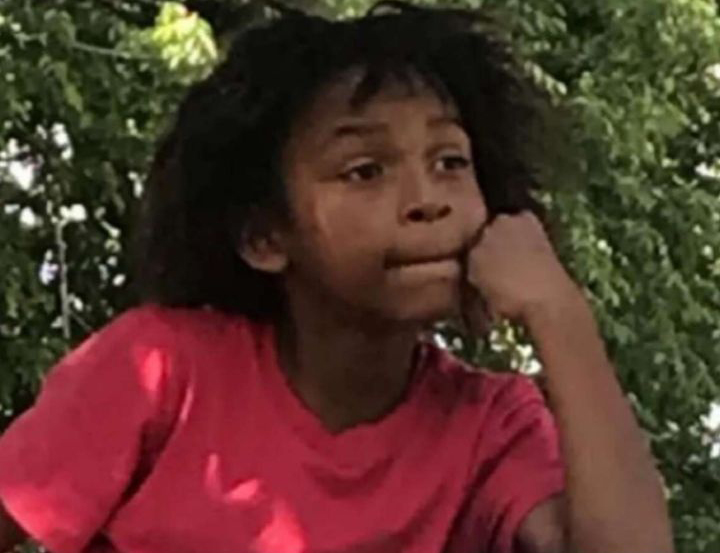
{"x": 174, "y": 431}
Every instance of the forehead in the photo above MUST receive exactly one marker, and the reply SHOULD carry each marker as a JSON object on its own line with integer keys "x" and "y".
{"x": 343, "y": 98}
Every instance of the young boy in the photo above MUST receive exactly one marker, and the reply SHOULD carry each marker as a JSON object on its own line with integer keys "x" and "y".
{"x": 330, "y": 191}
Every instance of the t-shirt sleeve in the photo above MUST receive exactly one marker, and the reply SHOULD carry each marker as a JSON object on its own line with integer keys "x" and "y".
{"x": 67, "y": 462}
{"x": 521, "y": 465}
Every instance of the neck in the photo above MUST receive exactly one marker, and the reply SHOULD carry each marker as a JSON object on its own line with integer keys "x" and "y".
{"x": 346, "y": 370}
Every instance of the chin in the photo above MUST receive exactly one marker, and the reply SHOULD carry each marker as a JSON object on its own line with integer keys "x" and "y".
{"x": 428, "y": 308}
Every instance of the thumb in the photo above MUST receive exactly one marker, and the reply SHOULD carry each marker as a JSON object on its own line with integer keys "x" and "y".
{"x": 477, "y": 318}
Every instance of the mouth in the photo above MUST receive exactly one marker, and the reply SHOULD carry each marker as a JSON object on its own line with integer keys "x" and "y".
{"x": 401, "y": 261}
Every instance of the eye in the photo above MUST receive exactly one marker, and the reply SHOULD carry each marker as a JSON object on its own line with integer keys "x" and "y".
{"x": 362, "y": 172}
{"x": 451, "y": 163}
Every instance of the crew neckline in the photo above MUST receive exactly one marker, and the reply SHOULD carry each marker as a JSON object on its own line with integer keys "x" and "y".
{"x": 359, "y": 445}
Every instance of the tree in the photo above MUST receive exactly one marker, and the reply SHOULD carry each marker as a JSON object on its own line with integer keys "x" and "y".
{"x": 85, "y": 96}
{"x": 88, "y": 86}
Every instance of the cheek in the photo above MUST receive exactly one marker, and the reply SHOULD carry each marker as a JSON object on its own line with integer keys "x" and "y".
{"x": 346, "y": 235}
{"x": 472, "y": 210}
{"x": 478, "y": 210}
{"x": 337, "y": 226}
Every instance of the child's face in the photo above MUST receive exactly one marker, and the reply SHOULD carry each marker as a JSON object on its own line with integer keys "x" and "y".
{"x": 383, "y": 198}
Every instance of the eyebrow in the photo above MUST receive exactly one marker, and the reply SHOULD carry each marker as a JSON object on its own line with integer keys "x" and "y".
{"x": 446, "y": 121}
{"x": 359, "y": 129}
{"x": 370, "y": 128}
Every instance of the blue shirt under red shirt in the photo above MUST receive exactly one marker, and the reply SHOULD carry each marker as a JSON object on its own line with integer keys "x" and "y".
{"x": 175, "y": 431}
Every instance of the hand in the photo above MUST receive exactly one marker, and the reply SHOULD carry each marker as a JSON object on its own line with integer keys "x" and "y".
{"x": 513, "y": 272}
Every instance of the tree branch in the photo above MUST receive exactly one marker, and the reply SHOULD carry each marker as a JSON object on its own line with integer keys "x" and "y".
{"x": 65, "y": 310}
{"x": 108, "y": 52}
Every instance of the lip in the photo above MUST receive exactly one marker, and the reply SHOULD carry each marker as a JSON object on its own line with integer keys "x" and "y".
{"x": 431, "y": 269}
{"x": 428, "y": 259}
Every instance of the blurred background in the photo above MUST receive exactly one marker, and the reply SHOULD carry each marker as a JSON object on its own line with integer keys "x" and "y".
{"x": 87, "y": 86}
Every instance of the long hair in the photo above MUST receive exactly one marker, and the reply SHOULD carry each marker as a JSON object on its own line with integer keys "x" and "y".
{"x": 220, "y": 162}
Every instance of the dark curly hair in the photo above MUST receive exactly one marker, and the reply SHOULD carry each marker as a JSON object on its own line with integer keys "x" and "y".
{"x": 221, "y": 161}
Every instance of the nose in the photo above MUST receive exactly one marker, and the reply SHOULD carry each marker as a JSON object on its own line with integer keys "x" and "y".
{"x": 426, "y": 212}
{"x": 422, "y": 198}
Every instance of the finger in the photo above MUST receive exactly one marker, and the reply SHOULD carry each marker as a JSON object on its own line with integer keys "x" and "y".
{"x": 473, "y": 312}
{"x": 477, "y": 237}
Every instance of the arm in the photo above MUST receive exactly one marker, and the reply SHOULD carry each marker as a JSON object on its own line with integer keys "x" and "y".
{"x": 543, "y": 530}
{"x": 614, "y": 500}
{"x": 11, "y": 534}
{"x": 66, "y": 463}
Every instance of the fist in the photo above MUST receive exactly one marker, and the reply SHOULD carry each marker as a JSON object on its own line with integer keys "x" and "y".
{"x": 513, "y": 271}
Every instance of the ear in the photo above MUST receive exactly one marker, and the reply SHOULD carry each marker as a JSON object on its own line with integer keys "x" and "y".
{"x": 262, "y": 247}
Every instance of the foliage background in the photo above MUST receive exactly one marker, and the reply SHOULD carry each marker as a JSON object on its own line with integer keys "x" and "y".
{"x": 86, "y": 86}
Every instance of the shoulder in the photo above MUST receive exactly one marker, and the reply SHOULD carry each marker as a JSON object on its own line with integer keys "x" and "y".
{"x": 176, "y": 328}
{"x": 515, "y": 456}
{"x": 475, "y": 387}
{"x": 160, "y": 320}
{"x": 153, "y": 344}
